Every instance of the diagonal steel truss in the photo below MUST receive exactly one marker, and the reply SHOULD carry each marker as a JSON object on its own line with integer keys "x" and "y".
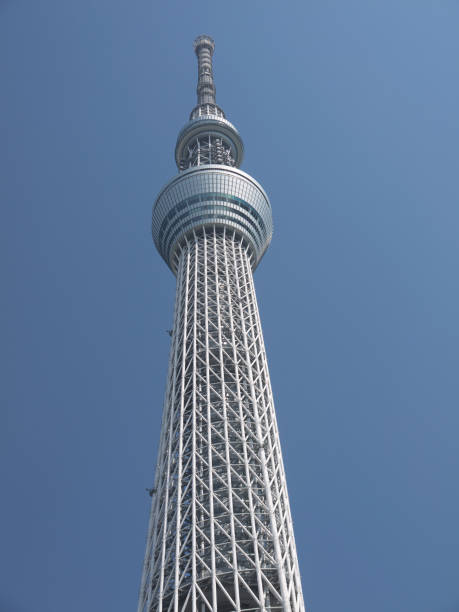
{"x": 220, "y": 537}
{"x": 207, "y": 149}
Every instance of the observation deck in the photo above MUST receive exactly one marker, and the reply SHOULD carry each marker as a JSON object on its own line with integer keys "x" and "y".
{"x": 212, "y": 195}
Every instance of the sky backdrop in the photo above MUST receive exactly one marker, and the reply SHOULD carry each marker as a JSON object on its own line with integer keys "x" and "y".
{"x": 349, "y": 114}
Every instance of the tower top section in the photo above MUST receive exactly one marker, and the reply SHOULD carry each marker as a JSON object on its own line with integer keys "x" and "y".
{"x": 204, "y": 41}
{"x": 210, "y": 190}
{"x": 208, "y": 137}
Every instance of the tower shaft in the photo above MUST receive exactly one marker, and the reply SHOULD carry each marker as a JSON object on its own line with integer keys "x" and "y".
{"x": 221, "y": 536}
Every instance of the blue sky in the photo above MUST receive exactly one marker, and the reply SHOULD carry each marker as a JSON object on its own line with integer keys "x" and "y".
{"x": 348, "y": 111}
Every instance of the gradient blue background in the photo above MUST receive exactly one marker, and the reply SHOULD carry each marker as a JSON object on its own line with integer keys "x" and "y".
{"x": 349, "y": 113}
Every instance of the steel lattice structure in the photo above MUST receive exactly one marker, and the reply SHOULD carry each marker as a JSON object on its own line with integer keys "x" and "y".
{"x": 220, "y": 536}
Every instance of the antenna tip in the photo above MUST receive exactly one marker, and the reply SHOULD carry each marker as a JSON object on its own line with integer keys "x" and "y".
{"x": 204, "y": 41}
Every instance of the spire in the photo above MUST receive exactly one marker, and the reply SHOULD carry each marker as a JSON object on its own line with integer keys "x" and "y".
{"x": 204, "y": 47}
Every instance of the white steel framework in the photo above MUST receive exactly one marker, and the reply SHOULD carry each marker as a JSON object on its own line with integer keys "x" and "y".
{"x": 220, "y": 537}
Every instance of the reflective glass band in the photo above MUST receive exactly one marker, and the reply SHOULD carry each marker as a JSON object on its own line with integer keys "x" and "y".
{"x": 208, "y": 219}
{"x": 172, "y": 218}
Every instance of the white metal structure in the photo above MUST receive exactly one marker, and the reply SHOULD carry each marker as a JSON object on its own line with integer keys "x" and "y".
{"x": 220, "y": 537}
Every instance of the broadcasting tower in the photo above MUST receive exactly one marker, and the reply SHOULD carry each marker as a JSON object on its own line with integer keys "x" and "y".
{"x": 220, "y": 536}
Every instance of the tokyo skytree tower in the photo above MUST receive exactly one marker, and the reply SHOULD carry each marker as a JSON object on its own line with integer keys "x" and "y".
{"x": 220, "y": 536}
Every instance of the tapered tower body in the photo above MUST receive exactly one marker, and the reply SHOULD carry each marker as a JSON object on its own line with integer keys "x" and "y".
{"x": 220, "y": 536}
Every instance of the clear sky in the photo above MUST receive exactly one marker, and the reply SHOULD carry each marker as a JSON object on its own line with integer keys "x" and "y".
{"x": 349, "y": 114}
